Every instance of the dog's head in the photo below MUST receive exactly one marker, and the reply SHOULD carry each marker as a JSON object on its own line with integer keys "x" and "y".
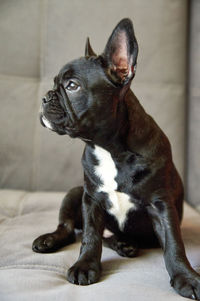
{"x": 86, "y": 91}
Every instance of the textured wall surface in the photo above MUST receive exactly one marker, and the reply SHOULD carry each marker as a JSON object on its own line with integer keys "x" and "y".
{"x": 38, "y": 37}
{"x": 193, "y": 166}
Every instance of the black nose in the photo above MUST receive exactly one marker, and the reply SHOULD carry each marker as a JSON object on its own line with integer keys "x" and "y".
{"x": 44, "y": 100}
{"x": 49, "y": 96}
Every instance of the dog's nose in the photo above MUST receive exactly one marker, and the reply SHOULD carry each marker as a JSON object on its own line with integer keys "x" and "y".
{"x": 50, "y": 94}
{"x": 44, "y": 99}
{"x": 49, "y": 97}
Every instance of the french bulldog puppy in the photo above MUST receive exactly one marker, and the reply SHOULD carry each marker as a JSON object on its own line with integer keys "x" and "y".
{"x": 131, "y": 185}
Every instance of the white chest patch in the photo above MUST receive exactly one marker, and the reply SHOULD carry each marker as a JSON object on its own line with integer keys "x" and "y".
{"x": 107, "y": 171}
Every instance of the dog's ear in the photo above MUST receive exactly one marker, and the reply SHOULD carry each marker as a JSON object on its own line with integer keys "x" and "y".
{"x": 121, "y": 52}
{"x": 88, "y": 49}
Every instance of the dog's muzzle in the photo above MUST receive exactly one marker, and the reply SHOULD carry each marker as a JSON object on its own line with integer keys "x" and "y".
{"x": 62, "y": 114}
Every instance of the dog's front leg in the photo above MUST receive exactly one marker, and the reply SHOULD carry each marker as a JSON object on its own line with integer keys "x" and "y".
{"x": 88, "y": 267}
{"x": 166, "y": 225}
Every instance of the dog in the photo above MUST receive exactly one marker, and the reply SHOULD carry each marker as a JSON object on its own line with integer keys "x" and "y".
{"x": 131, "y": 186}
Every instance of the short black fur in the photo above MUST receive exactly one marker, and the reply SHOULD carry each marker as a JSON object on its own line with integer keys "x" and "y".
{"x": 91, "y": 99}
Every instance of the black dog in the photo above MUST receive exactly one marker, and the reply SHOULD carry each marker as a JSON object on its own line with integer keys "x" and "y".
{"x": 131, "y": 185}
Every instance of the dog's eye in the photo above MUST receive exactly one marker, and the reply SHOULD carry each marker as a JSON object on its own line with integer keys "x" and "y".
{"x": 72, "y": 86}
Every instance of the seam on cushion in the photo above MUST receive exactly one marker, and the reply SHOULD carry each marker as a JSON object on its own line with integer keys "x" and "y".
{"x": 20, "y": 201}
{"x": 36, "y": 146}
{"x": 53, "y": 268}
{"x": 21, "y": 204}
{"x": 5, "y": 224}
{"x": 45, "y": 78}
{"x": 8, "y": 220}
{"x": 37, "y": 138}
{"x": 43, "y": 37}
{"x": 19, "y": 78}
{"x": 35, "y": 142}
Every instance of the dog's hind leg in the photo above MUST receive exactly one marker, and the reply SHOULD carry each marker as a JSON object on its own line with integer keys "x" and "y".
{"x": 70, "y": 217}
{"x": 123, "y": 248}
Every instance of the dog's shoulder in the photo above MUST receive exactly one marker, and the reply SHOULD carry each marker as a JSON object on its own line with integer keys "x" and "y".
{"x": 144, "y": 135}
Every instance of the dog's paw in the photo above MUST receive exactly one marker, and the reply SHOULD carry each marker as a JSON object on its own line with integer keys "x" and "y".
{"x": 187, "y": 286}
{"x": 83, "y": 273}
{"x": 126, "y": 250}
{"x": 51, "y": 242}
{"x": 123, "y": 248}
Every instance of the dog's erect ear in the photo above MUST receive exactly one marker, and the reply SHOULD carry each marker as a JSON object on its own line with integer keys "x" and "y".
{"x": 88, "y": 49}
{"x": 121, "y": 52}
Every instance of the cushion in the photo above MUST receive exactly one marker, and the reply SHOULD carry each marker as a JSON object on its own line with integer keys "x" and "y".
{"x": 26, "y": 275}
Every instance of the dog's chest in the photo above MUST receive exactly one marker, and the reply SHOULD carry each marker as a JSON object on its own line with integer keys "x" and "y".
{"x": 107, "y": 172}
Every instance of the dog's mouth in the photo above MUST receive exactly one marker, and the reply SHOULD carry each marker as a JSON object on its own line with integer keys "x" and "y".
{"x": 59, "y": 126}
{"x": 57, "y": 113}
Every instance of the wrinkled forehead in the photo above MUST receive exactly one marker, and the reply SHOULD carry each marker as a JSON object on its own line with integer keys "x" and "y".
{"x": 82, "y": 69}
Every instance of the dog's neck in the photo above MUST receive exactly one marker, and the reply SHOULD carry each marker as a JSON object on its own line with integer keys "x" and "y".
{"x": 119, "y": 133}
{"x": 112, "y": 137}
